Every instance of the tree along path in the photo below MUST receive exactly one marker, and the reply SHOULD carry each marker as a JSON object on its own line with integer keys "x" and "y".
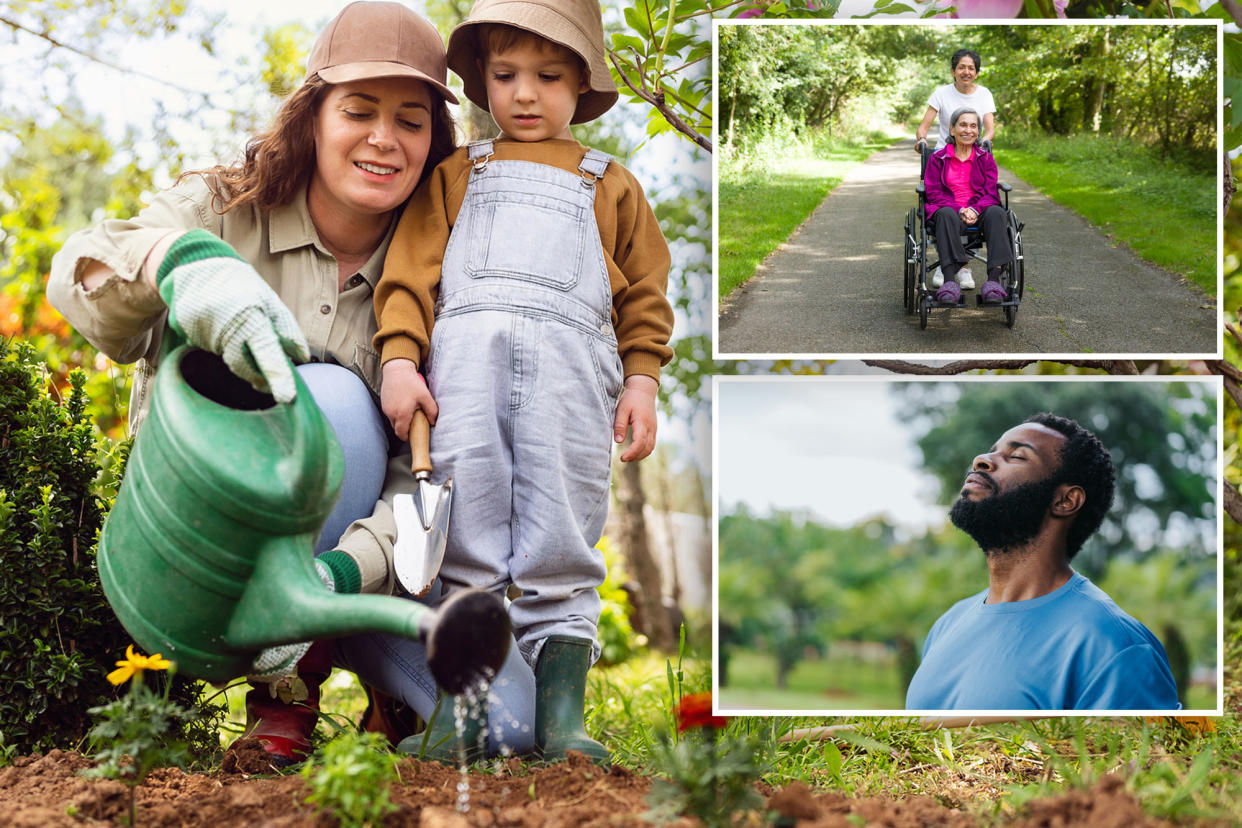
{"x": 836, "y": 286}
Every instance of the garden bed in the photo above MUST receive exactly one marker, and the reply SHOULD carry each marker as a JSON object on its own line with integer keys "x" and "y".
{"x": 45, "y": 791}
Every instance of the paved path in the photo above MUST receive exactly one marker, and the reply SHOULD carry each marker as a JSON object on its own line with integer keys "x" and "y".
{"x": 836, "y": 286}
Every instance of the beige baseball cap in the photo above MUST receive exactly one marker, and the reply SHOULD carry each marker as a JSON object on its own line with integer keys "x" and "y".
{"x": 575, "y": 24}
{"x": 380, "y": 40}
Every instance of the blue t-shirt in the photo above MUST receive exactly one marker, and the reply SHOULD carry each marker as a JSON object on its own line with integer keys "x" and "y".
{"x": 1072, "y": 649}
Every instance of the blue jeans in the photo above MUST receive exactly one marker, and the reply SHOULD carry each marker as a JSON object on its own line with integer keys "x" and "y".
{"x": 393, "y": 665}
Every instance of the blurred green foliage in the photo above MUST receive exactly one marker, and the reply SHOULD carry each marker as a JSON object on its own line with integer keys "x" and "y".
{"x": 1153, "y": 84}
{"x": 614, "y": 632}
{"x": 1162, "y": 437}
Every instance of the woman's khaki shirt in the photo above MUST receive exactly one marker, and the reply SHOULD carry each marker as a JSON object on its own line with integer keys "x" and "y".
{"x": 124, "y": 317}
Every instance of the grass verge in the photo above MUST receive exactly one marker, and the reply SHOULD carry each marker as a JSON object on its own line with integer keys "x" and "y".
{"x": 766, "y": 194}
{"x": 834, "y": 683}
{"x": 1164, "y": 210}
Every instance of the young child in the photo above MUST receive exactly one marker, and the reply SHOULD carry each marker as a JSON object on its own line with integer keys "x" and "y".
{"x": 544, "y": 271}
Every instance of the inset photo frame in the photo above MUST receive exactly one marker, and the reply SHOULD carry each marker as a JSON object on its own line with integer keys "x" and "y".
{"x": 985, "y": 546}
{"x": 1076, "y": 209}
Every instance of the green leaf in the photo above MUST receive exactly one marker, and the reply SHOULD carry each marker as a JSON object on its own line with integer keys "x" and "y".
{"x": 1233, "y": 136}
{"x": 1232, "y": 47}
{"x": 625, "y": 43}
{"x": 637, "y": 22}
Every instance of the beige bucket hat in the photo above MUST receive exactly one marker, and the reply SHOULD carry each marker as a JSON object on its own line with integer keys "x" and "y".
{"x": 380, "y": 40}
{"x": 575, "y": 24}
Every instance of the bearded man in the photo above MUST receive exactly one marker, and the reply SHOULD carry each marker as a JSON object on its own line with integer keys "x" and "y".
{"x": 1041, "y": 636}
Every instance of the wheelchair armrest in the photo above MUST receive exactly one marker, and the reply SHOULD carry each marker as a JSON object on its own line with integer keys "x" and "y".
{"x": 1004, "y": 187}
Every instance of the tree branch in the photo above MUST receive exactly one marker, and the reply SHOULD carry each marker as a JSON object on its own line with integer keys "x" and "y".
{"x": 1234, "y": 9}
{"x": 1234, "y": 390}
{"x": 1225, "y": 369}
{"x": 657, "y": 101}
{"x": 1229, "y": 188}
{"x": 46, "y": 36}
{"x": 1119, "y": 366}
{"x": 1233, "y": 502}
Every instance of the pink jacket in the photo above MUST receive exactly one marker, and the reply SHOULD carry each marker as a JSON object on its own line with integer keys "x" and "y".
{"x": 982, "y": 181}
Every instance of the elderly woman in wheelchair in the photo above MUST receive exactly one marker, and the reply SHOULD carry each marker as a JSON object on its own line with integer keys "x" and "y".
{"x": 959, "y": 211}
{"x": 961, "y": 193}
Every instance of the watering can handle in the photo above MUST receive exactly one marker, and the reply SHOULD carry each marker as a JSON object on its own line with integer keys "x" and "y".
{"x": 420, "y": 442}
{"x": 170, "y": 340}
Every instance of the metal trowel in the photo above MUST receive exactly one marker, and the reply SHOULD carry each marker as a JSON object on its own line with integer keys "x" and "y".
{"x": 422, "y": 517}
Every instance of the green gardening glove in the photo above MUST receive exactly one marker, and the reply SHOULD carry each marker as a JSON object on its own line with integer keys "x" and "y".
{"x": 218, "y": 302}
{"x": 340, "y": 574}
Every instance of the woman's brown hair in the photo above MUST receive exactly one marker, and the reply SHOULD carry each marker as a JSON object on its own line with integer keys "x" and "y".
{"x": 279, "y": 161}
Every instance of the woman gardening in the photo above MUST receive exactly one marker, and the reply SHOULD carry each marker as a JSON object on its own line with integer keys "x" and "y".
{"x": 276, "y": 258}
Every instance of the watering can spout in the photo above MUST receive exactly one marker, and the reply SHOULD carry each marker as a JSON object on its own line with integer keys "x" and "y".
{"x": 467, "y": 637}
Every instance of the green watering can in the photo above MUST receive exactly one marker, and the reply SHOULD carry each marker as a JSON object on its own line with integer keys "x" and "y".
{"x": 206, "y": 556}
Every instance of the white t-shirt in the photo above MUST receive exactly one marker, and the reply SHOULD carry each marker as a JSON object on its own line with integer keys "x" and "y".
{"x": 946, "y": 100}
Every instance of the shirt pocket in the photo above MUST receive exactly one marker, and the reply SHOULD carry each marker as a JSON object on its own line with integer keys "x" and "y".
{"x": 366, "y": 364}
{"x": 529, "y": 237}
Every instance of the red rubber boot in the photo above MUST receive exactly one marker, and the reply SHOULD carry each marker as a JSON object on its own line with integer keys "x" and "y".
{"x": 283, "y": 727}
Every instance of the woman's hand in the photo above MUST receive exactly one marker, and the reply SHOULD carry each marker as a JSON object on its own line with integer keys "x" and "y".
{"x": 636, "y": 412}
{"x": 402, "y": 392}
{"x": 218, "y": 302}
{"x": 968, "y": 215}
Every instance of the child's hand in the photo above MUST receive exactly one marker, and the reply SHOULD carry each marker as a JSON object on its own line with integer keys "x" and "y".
{"x": 636, "y": 411}
{"x": 403, "y": 392}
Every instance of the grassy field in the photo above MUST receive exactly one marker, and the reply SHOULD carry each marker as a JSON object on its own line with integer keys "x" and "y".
{"x": 765, "y": 196}
{"x": 824, "y": 684}
{"x": 838, "y": 684}
{"x": 1164, "y": 211}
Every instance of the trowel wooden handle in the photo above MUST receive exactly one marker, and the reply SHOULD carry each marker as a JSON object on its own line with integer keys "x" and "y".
{"x": 420, "y": 442}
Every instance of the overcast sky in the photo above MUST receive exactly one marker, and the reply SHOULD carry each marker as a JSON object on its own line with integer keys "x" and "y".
{"x": 830, "y": 446}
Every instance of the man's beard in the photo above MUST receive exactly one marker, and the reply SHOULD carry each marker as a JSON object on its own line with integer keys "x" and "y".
{"x": 1005, "y": 521}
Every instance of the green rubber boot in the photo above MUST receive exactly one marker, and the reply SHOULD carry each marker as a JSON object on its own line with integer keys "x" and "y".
{"x": 560, "y": 700}
{"x": 438, "y": 741}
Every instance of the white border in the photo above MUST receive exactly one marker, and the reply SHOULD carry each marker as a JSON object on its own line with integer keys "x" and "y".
{"x": 1217, "y": 384}
{"x": 917, "y": 355}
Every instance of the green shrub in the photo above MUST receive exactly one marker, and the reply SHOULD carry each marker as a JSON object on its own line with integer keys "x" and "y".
{"x": 58, "y": 636}
{"x": 615, "y": 633}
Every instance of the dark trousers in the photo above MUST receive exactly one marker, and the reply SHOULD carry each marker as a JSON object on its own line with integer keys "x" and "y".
{"x": 947, "y": 226}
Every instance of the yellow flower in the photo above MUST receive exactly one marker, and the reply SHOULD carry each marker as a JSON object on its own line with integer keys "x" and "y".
{"x": 135, "y": 664}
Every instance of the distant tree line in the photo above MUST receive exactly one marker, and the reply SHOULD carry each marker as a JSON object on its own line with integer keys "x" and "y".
{"x": 1154, "y": 84}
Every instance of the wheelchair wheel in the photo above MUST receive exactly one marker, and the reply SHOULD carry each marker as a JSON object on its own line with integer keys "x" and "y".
{"x": 911, "y": 272}
{"x": 924, "y": 307}
{"x": 1017, "y": 269}
{"x": 1011, "y": 313}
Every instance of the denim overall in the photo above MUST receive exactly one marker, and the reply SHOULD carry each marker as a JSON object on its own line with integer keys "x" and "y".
{"x": 524, "y": 367}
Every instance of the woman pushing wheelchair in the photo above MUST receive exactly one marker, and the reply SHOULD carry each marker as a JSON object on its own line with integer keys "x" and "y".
{"x": 964, "y": 92}
{"x": 961, "y": 188}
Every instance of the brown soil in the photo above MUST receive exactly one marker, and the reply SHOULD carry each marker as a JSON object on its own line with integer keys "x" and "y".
{"x": 45, "y": 791}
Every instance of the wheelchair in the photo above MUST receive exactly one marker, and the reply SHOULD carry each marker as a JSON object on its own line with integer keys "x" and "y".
{"x": 920, "y": 240}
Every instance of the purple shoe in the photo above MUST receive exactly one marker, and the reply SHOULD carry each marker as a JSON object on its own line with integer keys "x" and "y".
{"x": 993, "y": 291}
{"x": 949, "y": 292}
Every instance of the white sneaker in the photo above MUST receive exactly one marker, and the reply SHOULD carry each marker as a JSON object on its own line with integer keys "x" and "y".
{"x": 937, "y": 277}
{"x": 964, "y": 280}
